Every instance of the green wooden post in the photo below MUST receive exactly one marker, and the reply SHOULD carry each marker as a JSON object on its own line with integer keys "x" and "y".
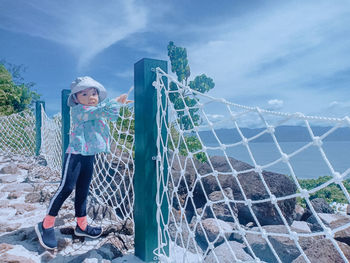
{"x": 145, "y": 181}
{"x": 38, "y": 124}
{"x": 65, "y": 111}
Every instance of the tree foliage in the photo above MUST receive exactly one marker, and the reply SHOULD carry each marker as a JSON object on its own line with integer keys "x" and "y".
{"x": 15, "y": 94}
{"x": 185, "y": 103}
{"x": 125, "y": 128}
{"x": 202, "y": 83}
{"x": 331, "y": 193}
{"x": 179, "y": 62}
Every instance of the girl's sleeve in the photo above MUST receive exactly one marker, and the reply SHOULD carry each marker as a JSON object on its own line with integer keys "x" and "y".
{"x": 108, "y": 109}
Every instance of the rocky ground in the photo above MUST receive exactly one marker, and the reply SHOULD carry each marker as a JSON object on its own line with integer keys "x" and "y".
{"x": 26, "y": 186}
{"x": 219, "y": 224}
{"x": 213, "y": 227}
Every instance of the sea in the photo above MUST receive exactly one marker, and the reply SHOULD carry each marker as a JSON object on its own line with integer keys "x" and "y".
{"x": 306, "y": 161}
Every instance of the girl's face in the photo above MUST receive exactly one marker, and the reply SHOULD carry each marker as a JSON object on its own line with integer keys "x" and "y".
{"x": 88, "y": 97}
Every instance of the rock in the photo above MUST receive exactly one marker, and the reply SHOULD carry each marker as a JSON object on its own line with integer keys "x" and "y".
{"x": 183, "y": 180}
{"x": 25, "y": 166}
{"x": 220, "y": 208}
{"x": 32, "y": 198}
{"x": 23, "y": 207}
{"x": 40, "y": 160}
{"x": 108, "y": 251}
{"x": 62, "y": 243}
{"x": 5, "y": 247}
{"x": 9, "y": 227}
{"x": 301, "y": 226}
{"x": 129, "y": 227}
{"x": 266, "y": 213}
{"x": 99, "y": 212}
{"x": 224, "y": 254}
{"x": 91, "y": 260}
{"x": 25, "y": 237}
{"x": 298, "y": 212}
{"x": 320, "y": 205}
{"x": 342, "y": 235}
{"x": 47, "y": 257}
{"x": 329, "y": 220}
{"x": 211, "y": 228}
{"x": 284, "y": 246}
{"x": 9, "y": 169}
{"x": 14, "y": 195}
{"x": 4, "y": 203}
{"x": 9, "y": 258}
{"x": 22, "y": 187}
{"x": 8, "y": 179}
{"x": 250, "y": 224}
{"x": 180, "y": 234}
{"x": 323, "y": 251}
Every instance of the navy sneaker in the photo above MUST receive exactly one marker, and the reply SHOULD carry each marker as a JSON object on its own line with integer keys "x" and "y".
{"x": 47, "y": 237}
{"x": 92, "y": 232}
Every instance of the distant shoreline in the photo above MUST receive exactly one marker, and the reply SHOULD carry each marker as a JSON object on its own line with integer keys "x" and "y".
{"x": 282, "y": 133}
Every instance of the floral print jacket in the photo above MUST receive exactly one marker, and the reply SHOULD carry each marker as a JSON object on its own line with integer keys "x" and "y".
{"x": 90, "y": 132}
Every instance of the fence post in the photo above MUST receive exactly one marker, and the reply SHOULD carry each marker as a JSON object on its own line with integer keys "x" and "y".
{"x": 145, "y": 179}
{"x": 65, "y": 111}
{"x": 38, "y": 119}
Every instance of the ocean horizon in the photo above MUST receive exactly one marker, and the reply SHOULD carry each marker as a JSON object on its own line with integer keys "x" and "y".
{"x": 310, "y": 163}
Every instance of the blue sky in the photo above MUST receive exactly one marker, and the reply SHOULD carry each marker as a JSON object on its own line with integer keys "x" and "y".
{"x": 290, "y": 56}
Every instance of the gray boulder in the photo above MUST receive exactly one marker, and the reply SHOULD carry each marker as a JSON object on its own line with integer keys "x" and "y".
{"x": 223, "y": 211}
{"x": 223, "y": 253}
{"x": 323, "y": 251}
{"x": 329, "y": 220}
{"x": 320, "y": 205}
{"x": 9, "y": 169}
{"x": 214, "y": 231}
{"x": 253, "y": 187}
{"x": 285, "y": 247}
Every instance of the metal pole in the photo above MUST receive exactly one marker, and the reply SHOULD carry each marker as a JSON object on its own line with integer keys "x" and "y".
{"x": 145, "y": 181}
{"x": 38, "y": 124}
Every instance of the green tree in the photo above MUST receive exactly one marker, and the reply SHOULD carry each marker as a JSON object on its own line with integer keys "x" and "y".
{"x": 125, "y": 128}
{"x": 15, "y": 95}
{"x": 180, "y": 99}
{"x": 331, "y": 193}
{"x": 179, "y": 62}
{"x": 202, "y": 83}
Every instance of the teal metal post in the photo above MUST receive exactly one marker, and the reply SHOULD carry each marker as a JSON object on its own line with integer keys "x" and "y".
{"x": 65, "y": 121}
{"x": 145, "y": 179}
{"x": 38, "y": 124}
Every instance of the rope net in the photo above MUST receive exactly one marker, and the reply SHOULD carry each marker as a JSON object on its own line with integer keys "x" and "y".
{"x": 18, "y": 133}
{"x": 227, "y": 193}
{"x": 111, "y": 196}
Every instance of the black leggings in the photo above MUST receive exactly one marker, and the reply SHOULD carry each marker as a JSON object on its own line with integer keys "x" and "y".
{"x": 77, "y": 173}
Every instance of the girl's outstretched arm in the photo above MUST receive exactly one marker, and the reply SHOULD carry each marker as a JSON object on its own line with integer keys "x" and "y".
{"x": 108, "y": 109}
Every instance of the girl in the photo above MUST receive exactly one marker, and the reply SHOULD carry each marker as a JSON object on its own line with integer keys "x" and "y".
{"x": 89, "y": 136}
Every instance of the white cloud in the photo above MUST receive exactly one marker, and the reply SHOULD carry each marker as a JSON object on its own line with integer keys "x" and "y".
{"x": 338, "y": 108}
{"x": 275, "y": 104}
{"x": 280, "y": 51}
{"x": 85, "y": 28}
{"x": 125, "y": 74}
{"x": 215, "y": 117}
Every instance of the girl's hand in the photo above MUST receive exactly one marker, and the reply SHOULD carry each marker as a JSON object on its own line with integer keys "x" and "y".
{"x": 123, "y": 99}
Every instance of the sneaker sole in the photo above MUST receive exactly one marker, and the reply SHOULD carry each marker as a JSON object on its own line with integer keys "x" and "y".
{"x": 37, "y": 231}
{"x": 85, "y": 235}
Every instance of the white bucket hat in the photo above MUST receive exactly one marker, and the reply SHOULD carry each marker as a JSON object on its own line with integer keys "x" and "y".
{"x": 82, "y": 83}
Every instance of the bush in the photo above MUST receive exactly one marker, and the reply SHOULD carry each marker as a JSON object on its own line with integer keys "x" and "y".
{"x": 331, "y": 193}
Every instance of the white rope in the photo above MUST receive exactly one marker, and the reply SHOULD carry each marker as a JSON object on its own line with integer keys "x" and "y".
{"x": 18, "y": 133}
{"x": 168, "y": 189}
